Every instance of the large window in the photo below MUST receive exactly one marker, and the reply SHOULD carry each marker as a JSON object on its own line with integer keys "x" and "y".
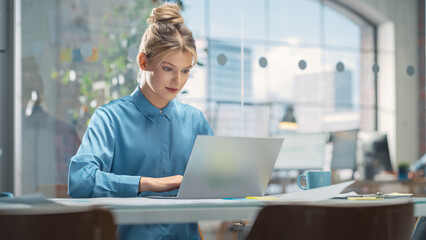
{"x": 316, "y": 58}
{"x": 256, "y": 60}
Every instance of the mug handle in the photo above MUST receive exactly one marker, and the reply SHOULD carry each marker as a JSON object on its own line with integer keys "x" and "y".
{"x": 298, "y": 181}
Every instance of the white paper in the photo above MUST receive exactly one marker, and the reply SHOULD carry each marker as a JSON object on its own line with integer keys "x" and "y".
{"x": 316, "y": 194}
{"x": 349, "y": 194}
{"x": 75, "y": 201}
{"x": 7, "y": 206}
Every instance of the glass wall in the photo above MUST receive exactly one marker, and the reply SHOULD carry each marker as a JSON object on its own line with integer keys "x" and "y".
{"x": 256, "y": 59}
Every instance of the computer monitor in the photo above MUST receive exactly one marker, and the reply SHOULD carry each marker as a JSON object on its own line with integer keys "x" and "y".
{"x": 302, "y": 151}
{"x": 344, "y": 149}
{"x": 374, "y": 151}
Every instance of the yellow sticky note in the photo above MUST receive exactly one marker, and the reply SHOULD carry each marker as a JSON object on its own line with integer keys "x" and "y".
{"x": 365, "y": 198}
{"x": 401, "y": 194}
{"x": 264, "y": 198}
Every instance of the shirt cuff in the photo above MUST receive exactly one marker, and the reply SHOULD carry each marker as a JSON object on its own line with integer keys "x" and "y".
{"x": 128, "y": 186}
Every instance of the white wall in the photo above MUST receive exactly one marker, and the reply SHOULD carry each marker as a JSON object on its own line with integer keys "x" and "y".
{"x": 396, "y": 22}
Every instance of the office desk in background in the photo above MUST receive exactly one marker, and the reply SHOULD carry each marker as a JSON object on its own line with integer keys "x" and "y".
{"x": 417, "y": 187}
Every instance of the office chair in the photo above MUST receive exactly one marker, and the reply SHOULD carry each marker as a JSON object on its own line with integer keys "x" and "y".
{"x": 387, "y": 221}
{"x": 66, "y": 223}
{"x": 419, "y": 232}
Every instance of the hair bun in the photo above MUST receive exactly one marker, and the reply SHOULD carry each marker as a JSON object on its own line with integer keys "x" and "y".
{"x": 166, "y": 13}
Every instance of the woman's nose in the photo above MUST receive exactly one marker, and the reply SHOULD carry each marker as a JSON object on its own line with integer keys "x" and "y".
{"x": 177, "y": 78}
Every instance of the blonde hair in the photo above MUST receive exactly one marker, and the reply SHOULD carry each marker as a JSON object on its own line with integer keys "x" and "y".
{"x": 165, "y": 34}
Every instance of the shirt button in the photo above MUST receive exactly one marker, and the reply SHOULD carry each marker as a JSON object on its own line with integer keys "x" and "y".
{"x": 161, "y": 111}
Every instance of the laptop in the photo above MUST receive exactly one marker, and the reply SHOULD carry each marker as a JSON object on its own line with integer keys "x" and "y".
{"x": 229, "y": 167}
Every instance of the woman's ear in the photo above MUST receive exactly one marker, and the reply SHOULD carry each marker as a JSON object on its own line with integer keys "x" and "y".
{"x": 142, "y": 61}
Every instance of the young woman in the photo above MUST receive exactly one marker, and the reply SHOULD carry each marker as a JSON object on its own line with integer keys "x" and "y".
{"x": 140, "y": 144}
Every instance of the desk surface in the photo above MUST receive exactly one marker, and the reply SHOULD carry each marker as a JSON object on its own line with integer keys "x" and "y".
{"x": 143, "y": 211}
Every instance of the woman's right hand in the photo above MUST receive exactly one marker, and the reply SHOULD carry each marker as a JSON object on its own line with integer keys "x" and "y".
{"x": 416, "y": 175}
{"x": 159, "y": 184}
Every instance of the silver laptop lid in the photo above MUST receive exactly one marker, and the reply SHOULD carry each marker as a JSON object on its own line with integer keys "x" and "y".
{"x": 229, "y": 167}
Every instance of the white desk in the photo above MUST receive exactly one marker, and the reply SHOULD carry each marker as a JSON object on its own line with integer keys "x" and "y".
{"x": 142, "y": 211}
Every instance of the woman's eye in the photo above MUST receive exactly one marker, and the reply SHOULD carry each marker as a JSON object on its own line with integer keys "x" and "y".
{"x": 167, "y": 69}
{"x": 185, "y": 71}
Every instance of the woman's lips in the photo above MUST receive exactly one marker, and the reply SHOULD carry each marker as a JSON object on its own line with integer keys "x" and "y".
{"x": 172, "y": 90}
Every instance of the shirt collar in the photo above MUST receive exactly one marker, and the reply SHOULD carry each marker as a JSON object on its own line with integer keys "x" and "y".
{"x": 147, "y": 109}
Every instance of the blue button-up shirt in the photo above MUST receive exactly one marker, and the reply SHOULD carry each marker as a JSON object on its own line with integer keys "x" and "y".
{"x": 129, "y": 138}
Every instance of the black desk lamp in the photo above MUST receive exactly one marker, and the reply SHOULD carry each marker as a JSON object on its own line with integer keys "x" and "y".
{"x": 289, "y": 121}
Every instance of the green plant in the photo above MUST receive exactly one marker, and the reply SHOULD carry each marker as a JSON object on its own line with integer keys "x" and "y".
{"x": 403, "y": 165}
{"x": 114, "y": 74}
{"x": 114, "y": 71}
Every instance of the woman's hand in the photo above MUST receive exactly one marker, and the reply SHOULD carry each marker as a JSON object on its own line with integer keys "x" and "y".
{"x": 416, "y": 175}
{"x": 159, "y": 184}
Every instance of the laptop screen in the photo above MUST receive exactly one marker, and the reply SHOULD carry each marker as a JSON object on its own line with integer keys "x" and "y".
{"x": 221, "y": 167}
